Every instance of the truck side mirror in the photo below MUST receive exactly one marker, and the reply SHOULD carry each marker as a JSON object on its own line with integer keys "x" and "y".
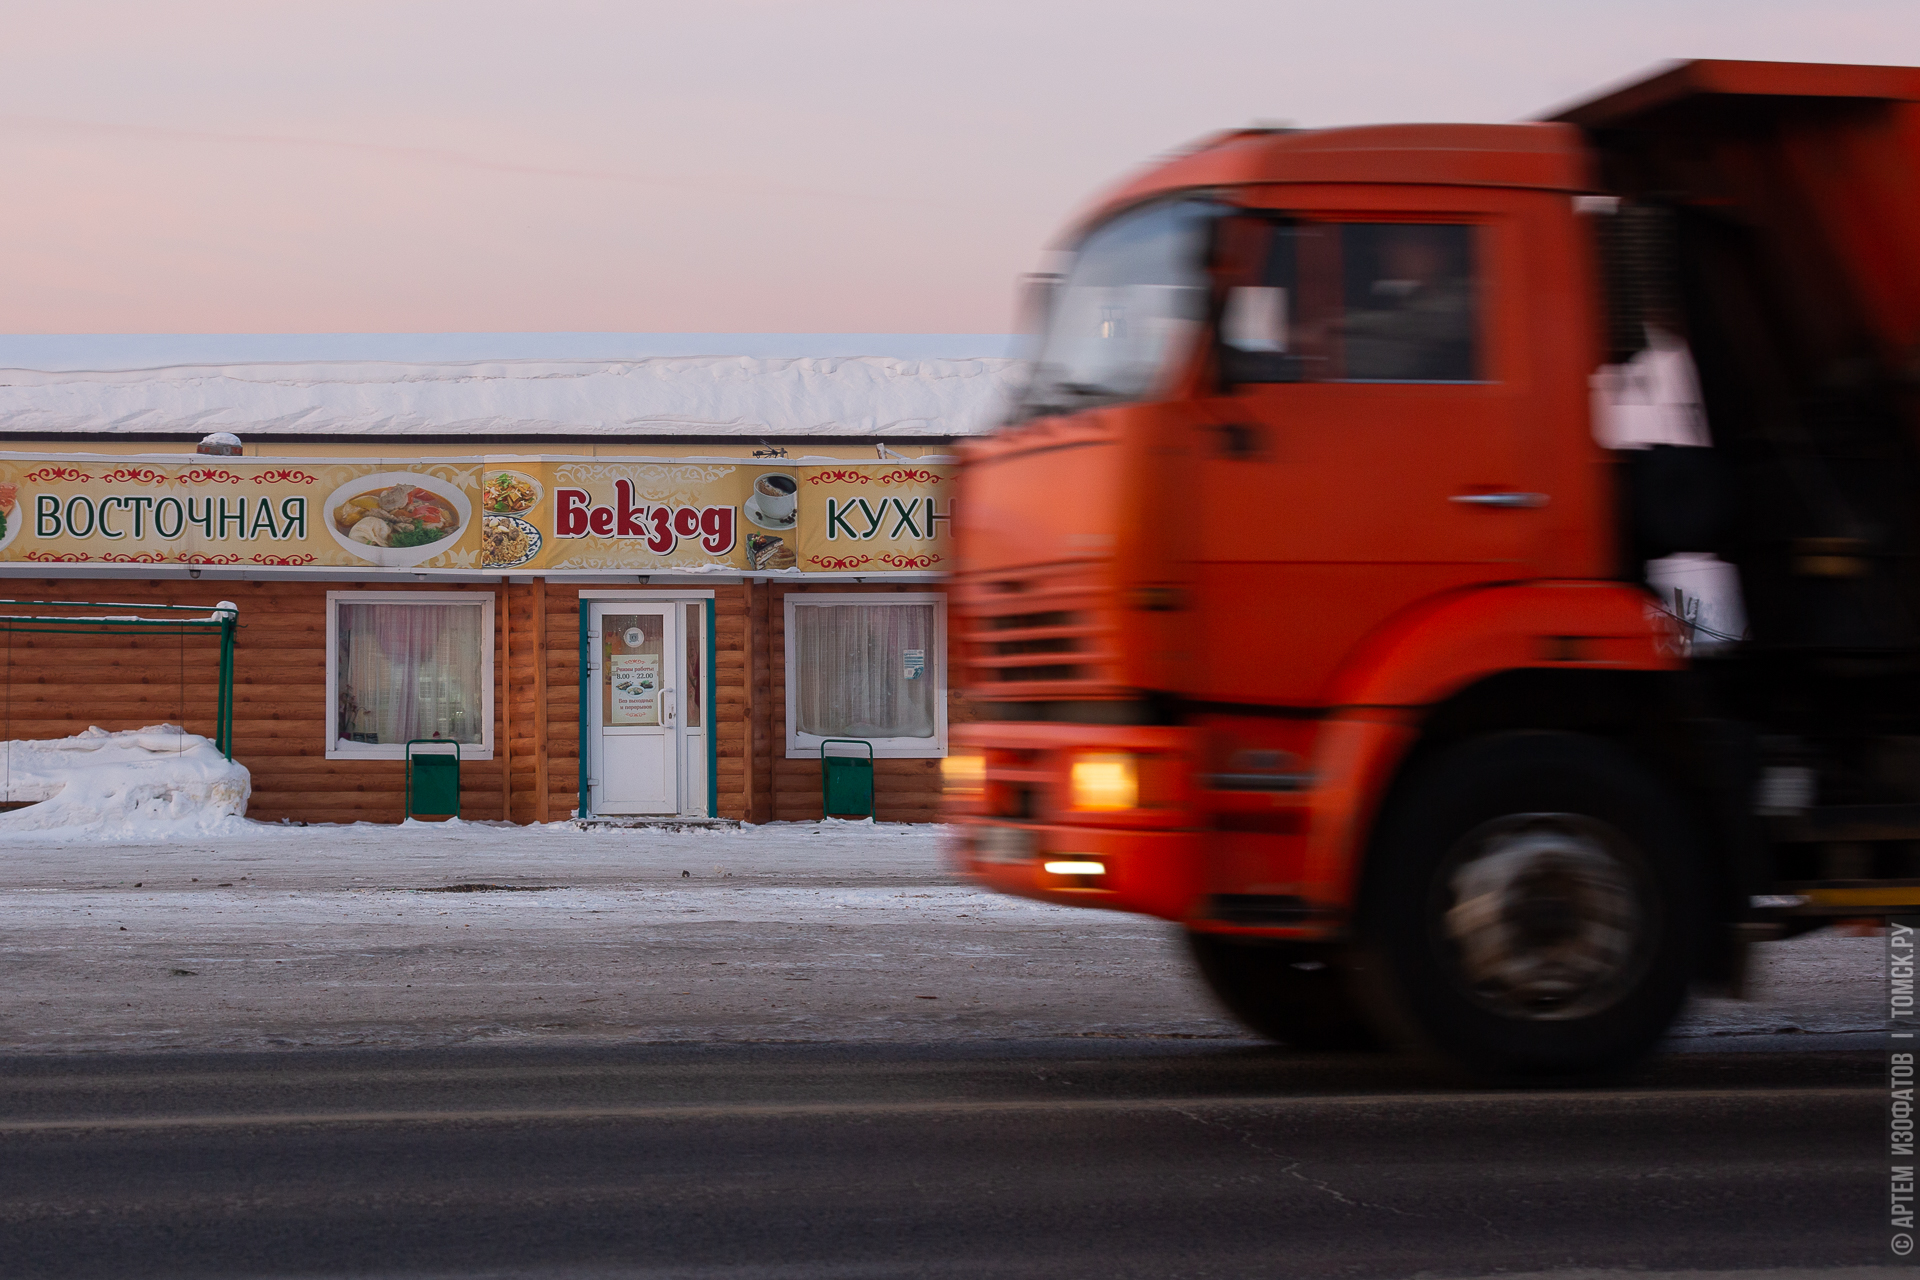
{"x": 1254, "y": 323}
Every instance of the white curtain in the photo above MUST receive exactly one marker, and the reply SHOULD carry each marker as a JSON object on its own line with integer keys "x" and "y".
{"x": 852, "y": 665}
{"x": 409, "y": 671}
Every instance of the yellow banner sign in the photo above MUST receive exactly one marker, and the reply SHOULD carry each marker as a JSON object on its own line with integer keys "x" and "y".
{"x": 240, "y": 512}
{"x": 464, "y": 514}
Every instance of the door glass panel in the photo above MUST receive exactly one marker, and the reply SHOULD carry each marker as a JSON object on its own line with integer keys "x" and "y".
{"x": 696, "y": 653}
{"x": 633, "y": 648}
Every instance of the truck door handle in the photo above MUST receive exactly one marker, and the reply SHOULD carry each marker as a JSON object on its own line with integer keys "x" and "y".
{"x": 1507, "y": 500}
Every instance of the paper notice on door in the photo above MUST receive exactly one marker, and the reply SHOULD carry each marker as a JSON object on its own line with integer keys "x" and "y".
{"x": 635, "y": 681}
{"x": 916, "y": 663}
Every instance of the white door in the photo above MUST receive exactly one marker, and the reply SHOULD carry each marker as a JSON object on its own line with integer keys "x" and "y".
{"x": 635, "y": 713}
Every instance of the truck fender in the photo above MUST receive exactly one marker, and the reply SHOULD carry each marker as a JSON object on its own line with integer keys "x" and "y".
{"x": 1355, "y": 756}
{"x": 1428, "y": 653}
{"x": 1434, "y": 650}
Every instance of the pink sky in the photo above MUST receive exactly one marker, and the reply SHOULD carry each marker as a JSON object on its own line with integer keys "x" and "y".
{"x": 729, "y": 166}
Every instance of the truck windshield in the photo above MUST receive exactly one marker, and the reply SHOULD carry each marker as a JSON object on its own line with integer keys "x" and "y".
{"x": 1135, "y": 292}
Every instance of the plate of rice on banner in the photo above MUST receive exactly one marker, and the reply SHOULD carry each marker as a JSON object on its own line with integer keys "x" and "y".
{"x": 507, "y": 542}
{"x": 397, "y": 519}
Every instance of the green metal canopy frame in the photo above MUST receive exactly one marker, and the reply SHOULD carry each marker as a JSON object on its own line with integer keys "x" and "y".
{"x": 178, "y": 619}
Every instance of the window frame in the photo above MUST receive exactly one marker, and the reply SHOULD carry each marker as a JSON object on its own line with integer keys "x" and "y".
{"x": 806, "y": 746}
{"x": 487, "y": 602}
{"x": 1483, "y": 248}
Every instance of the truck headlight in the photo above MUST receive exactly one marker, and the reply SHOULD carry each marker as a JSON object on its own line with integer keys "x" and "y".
{"x": 963, "y": 773}
{"x": 1104, "y": 781}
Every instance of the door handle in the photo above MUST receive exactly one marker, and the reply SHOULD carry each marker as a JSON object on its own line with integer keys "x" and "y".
{"x": 1507, "y": 500}
{"x": 669, "y": 703}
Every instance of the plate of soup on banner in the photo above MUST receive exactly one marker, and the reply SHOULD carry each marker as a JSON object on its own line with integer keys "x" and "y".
{"x": 397, "y": 519}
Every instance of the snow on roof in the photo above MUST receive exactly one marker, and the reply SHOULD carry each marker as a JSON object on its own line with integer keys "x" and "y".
{"x": 97, "y": 351}
{"x": 748, "y": 396}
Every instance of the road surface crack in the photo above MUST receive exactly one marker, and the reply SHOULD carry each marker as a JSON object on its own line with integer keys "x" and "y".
{"x": 1292, "y": 1168}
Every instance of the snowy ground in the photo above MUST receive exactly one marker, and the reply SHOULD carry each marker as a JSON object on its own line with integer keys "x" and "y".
{"x": 264, "y": 936}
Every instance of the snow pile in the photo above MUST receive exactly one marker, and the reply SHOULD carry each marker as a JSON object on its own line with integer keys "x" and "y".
{"x": 159, "y": 778}
{"x": 746, "y": 396}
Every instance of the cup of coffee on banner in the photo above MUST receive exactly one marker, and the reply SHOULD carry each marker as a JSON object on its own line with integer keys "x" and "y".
{"x": 774, "y": 495}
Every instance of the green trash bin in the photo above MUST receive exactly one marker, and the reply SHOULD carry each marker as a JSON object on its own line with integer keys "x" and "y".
{"x": 433, "y": 779}
{"x": 846, "y": 782}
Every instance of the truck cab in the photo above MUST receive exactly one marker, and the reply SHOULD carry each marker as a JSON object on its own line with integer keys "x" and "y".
{"x": 1302, "y": 602}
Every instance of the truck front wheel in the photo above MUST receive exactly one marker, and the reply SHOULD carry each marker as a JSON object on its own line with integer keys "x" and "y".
{"x": 1291, "y": 993}
{"x": 1529, "y": 907}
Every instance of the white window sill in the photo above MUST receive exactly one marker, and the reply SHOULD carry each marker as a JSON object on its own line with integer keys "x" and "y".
{"x": 881, "y": 751}
{"x": 385, "y": 751}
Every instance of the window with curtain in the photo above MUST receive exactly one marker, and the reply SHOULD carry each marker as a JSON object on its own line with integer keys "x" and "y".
{"x": 404, "y": 669}
{"x": 868, "y": 667}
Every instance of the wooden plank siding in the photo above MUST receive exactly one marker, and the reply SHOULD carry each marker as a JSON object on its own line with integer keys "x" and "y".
{"x": 280, "y": 675}
{"x": 759, "y": 800}
{"x": 524, "y": 723}
{"x": 58, "y": 685}
{"x": 732, "y": 700}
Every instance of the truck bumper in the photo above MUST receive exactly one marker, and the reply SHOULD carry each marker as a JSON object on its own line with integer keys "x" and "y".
{"x": 1156, "y": 873}
{"x": 1213, "y": 852}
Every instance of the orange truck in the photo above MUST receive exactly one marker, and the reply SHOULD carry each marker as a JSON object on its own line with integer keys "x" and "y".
{"x": 1303, "y": 598}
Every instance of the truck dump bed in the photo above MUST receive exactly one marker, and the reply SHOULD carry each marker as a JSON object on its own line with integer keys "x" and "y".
{"x": 1821, "y": 162}
{"x": 1773, "y": 218}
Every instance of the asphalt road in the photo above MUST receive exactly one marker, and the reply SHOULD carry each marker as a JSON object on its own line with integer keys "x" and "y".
{"x": 1038, "y": 1158}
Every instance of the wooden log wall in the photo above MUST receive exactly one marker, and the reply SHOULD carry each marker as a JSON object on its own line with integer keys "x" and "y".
{"x": 732, "y": 699}
{"x": 58, "y": 685}
{"x": 521, "y": 696}
{"x": 280, "y": 681}
{"x": 758, "y": 800}
{"x": 560, "y": 699}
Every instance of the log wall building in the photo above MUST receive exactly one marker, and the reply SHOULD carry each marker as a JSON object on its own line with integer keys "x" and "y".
{"x": 288, "y": 729}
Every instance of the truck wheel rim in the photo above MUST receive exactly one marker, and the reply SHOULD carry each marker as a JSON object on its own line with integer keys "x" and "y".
{"x": 1546, "y": 916}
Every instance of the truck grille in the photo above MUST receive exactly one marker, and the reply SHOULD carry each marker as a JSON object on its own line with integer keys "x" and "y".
{"x": 1037, "y": 633}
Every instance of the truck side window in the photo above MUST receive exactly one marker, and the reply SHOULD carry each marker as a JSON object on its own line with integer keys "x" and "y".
{"x": 1410, "y": 306}
{"x": 1354, "y": 302}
